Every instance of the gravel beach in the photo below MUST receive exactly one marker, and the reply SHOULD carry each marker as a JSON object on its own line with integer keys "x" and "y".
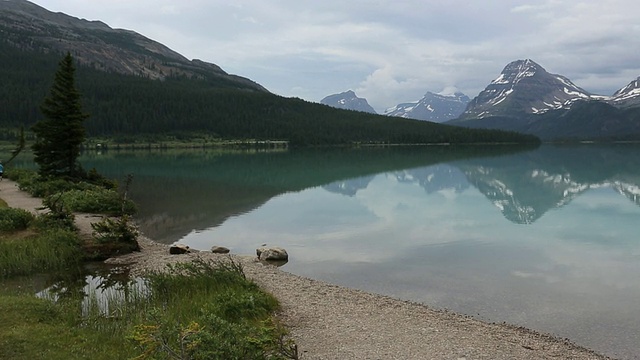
{"x": 333, "y": 322}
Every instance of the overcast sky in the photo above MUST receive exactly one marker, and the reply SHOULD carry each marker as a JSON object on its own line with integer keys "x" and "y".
{"x": 387, "y": 51}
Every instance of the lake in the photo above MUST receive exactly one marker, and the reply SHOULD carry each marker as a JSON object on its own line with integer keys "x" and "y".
{"x": 545, "y": 238}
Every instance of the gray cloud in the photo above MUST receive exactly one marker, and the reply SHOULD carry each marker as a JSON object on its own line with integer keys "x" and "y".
{"x": 387, "y": 51}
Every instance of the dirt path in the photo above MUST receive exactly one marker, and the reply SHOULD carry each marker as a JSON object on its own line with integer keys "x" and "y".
{"x": 333, "y": 322}
{"x": 15, "y": 198}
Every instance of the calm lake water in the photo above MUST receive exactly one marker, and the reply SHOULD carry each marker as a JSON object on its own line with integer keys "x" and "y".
{"x": 545, "y": 238}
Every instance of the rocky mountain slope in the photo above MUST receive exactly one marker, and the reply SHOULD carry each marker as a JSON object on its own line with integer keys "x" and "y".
{"x": 432, "y": 107}
{"x": 524, "y": 87}
{"x": 526, "y": 98}
{"x": 348, "y": 100}
{"x": 628, "y": 96}
{"x": 30, "y": 27}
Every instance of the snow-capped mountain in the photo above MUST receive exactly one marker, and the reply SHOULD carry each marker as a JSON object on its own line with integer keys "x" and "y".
{"x": 525, "y": 87}
{"x": 349, "y": 101}
{"x": 432, "y": 107}
{"x": 628, "y": 96}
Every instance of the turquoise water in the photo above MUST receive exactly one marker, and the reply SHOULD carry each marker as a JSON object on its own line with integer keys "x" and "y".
{"x": 546, "y": 238}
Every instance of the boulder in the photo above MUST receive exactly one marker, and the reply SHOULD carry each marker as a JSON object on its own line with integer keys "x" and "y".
{"x": 272, "y": 253}
{"x": 219, "y": 250}
{"x": 179, "y": 249}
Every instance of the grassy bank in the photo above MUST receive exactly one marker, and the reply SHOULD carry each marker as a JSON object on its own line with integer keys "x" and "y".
{"x": 200, "y": 310}
{"x": 192, "y": 311}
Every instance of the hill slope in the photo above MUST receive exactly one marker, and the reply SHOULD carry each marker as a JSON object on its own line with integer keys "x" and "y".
{"x": 28, "y": 26}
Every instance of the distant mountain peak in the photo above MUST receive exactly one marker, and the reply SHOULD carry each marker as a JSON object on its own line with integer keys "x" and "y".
{"x": 517, "y": 70}
{"x": 348, "y": 100}
{"x": 434, "y": 107}
{"x": 628, "y": 95}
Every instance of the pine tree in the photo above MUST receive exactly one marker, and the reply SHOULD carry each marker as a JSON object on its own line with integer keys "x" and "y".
{"x": 61, "y": 133}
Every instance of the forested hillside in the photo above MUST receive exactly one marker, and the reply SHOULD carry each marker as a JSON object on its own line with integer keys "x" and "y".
{"x": 124, "y": 105}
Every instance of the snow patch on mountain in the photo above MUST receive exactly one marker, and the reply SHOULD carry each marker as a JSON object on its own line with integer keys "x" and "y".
{"x": 628, "y": 95}
{"x": 523, "y": 86}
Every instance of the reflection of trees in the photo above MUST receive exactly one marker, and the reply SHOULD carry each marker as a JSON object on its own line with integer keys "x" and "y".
{"x": 92, "y": 286}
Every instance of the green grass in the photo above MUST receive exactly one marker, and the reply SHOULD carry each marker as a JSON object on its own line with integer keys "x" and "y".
{"x": 33, "y": 328}
{"x": 195, "y": 311}
{"x": 27, "y": 252}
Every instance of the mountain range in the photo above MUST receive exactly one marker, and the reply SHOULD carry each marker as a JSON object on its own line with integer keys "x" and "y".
{"x": 432, "y": 107}
{"x": 528, "y": 99}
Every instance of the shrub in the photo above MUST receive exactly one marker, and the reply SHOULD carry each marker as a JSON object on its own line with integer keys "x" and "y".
{"x": 97, "y": 200}
{"x": 14, "y": 219}
{"x": 19, "y": 175}
{"x": 119, "y": 231}
{"x": 94, "y": 177}
{"x": 38, "y": 186}
{"x": 58, "y": 216}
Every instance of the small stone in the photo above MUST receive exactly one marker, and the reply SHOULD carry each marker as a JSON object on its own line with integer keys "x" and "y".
{"x": 220, "y": 250}
{"x": 179, "y": 249}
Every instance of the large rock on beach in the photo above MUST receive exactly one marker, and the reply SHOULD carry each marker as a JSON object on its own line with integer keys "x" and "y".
{"x": 178, "y": 249}
{"x": 272, "y": 253}
{"x": 220, "y": 250}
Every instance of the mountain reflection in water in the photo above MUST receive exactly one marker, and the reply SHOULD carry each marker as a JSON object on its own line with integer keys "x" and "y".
{"x": 525, "y": 186}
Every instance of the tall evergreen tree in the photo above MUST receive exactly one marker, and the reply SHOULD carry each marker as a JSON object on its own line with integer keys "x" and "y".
{"x": 61, "y": 133}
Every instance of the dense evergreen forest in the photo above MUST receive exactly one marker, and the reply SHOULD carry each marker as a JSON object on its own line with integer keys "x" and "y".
{"x": 124, "y": 106}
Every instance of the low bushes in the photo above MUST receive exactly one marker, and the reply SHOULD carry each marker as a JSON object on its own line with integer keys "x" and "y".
{"x": 14, "y": 219}
{"x": 95, "y": 200}
{"x": 95, "y": 195}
